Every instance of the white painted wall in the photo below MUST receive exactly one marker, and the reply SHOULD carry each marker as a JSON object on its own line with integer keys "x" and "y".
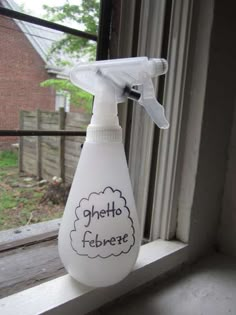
{"x": 215, "y": 133}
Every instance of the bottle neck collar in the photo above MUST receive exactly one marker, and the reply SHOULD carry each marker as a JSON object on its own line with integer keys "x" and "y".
{"x": 104, "y": 134}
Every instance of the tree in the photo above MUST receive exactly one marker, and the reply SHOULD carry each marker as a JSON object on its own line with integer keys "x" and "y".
{"x": 84, "y": 16}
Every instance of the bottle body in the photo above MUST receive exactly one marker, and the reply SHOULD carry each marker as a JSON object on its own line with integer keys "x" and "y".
{"x": 99, "y": 238}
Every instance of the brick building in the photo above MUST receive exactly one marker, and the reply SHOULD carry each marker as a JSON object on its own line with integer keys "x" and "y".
{"x": 23, "y": 66}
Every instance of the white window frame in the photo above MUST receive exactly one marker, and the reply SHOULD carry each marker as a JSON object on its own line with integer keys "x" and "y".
{"x": 166, "y": 190}
{"x": 142, "y": 131}
{"x": 64, "y": 295}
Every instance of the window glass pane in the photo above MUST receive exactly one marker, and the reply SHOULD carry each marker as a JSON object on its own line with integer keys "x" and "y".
{"x": 35, "y": 62}
{"x": 78, "y": 14}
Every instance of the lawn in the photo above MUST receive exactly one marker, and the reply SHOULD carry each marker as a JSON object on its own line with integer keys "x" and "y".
{"x": 8, "y": 159}
{"x": 21, "y": 196}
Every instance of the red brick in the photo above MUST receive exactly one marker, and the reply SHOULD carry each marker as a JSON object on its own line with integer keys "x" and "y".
{"x": 21, "y": 72}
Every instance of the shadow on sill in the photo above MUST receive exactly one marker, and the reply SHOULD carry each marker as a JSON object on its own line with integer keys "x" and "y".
{"x": 206, "y": 287}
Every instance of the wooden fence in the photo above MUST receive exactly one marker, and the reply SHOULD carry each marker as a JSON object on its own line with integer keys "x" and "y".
{"x": 48, "y": 156}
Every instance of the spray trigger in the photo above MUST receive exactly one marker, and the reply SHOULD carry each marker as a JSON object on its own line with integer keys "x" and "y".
{"x": 154, "y": 109}
{"x": 145, "y": 96}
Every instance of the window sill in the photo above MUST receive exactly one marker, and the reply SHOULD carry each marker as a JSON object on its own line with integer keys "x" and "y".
{"x": 66, "y": 295}
{"x": 28, "y": 234}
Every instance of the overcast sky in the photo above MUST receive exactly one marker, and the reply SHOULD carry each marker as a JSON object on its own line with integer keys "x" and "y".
{"x": 36, "y": 6}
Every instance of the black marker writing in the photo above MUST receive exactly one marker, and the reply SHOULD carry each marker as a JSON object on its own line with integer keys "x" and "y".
{"x": 103, "y": 226}
{"x": 96, "y": 242}
{"x": 95, "y": 214}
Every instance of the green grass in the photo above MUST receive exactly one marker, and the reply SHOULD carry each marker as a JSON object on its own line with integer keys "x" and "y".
{"x": 20, "y": 205}
{"x": 8, "y": 201}
{"x": 8, "y": 159}
{"x": 3, "y": 173}
{"x": 16, "y": 206}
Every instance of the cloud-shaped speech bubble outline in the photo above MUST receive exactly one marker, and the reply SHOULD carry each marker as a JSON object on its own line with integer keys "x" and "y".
{"x": 103, "y": 226}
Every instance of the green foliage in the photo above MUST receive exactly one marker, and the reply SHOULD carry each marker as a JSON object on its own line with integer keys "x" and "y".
{"x": 78, "y": 97}
{"x": 84, "y": 16}
{"x": 8, "y": 158}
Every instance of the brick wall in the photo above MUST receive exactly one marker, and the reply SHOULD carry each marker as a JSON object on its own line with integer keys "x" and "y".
{"x": 21, "y": 71}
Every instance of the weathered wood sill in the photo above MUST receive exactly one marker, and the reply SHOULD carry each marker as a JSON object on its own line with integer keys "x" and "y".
{"x": 29, "y": 256}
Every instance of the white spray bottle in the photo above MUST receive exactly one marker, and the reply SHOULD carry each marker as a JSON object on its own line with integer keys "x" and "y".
{"x": 99, "y": 237}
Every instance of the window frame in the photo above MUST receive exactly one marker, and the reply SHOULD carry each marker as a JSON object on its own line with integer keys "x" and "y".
{"x": 142, "y": 129}
{"x": 166, "y": 190}
{"x": 159, "y": 256}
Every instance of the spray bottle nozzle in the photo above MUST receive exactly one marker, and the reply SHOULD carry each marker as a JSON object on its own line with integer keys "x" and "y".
{"x": 113, "y": 81}
{"x": 132, "y": 93}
